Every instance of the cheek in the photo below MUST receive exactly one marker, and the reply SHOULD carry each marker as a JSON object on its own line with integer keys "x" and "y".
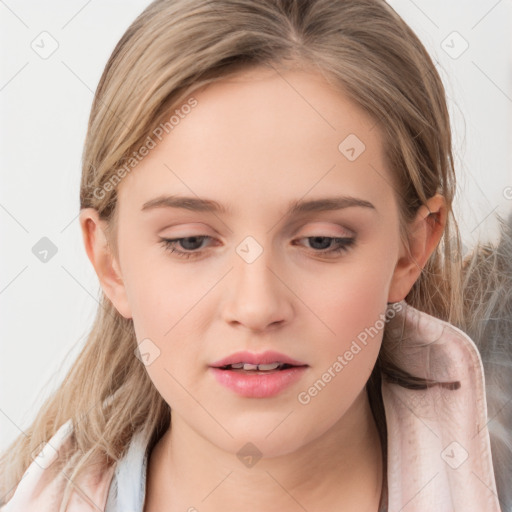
{"x": 351, "y": 305}
{"x": 350, "y": 299}
{"x": 165, "y": 309}
{"x": 347, "y": 351}
{"x": 157, "y": 298}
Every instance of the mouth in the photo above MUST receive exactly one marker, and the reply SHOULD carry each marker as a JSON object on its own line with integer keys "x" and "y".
{"x": 258, "y": 368}
{"x": 249, "y": 361}
{"x": 258, "y": 375}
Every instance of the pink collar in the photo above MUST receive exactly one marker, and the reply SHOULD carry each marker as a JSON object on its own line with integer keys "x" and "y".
{"x": 439, "y": 455}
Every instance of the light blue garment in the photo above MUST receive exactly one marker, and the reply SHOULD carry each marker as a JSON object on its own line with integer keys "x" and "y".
{"x": 128, "y": 487}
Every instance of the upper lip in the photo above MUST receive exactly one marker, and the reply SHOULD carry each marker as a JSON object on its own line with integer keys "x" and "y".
{"x": 267, "y": 357}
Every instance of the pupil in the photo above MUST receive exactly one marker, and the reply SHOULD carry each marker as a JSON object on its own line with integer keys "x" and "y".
{"x": 184, "y": 242}
{"x": 320, "y": 238}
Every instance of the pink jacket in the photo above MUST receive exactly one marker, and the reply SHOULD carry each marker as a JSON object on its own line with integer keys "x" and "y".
{"x": 439, "y": 456}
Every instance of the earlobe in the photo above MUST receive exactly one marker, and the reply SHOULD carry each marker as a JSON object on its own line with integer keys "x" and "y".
{"x": 424, "y": 236}
{"x": 103, "y": 260}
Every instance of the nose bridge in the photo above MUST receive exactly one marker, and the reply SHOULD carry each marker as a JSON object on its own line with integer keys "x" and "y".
{"x": 256, "y": 294}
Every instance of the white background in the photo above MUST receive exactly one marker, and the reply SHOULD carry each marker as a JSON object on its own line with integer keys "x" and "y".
{"x": 47, "y": 308}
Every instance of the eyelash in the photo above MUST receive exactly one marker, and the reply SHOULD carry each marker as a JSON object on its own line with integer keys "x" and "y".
{"x": 342, "y": 245}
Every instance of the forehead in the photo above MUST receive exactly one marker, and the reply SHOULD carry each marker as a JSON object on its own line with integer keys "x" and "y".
{"x": 260, "y": 134}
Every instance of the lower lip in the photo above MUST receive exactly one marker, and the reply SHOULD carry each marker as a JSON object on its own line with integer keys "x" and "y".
{"x": 258, "y": 385}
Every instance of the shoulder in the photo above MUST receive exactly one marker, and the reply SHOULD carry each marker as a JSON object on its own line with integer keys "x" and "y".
{"x": 42, "y": 489}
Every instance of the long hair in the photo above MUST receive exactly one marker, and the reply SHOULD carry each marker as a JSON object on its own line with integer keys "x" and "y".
{"x": 362, "y": 47}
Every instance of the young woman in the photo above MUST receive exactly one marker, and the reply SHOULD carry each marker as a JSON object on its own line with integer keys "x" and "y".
{"x": 266, "y": 199}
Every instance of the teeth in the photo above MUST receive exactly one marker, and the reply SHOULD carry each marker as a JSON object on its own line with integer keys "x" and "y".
{"x": 270, "y": 366}
{"x": 260, "y": 367}
{"x": 248, "y": 366}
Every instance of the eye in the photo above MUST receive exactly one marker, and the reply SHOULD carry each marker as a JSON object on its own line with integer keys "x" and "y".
{"x": 330, "y": 245}
{"x": 191, "y": 245}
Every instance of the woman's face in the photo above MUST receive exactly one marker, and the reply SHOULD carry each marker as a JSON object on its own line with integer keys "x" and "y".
{"x": 264, "y": 264}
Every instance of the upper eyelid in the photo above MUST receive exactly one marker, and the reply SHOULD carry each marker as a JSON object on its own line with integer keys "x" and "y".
{"x": 317, "y": 230}
{"x": 297, "y": 237}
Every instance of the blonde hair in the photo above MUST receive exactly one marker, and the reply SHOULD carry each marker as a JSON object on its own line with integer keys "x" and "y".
{"x": 175, "y": 46}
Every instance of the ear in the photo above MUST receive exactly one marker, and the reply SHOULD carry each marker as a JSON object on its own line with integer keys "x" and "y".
{"x": 424, "y": 235}
{"x": 103, "y": 260}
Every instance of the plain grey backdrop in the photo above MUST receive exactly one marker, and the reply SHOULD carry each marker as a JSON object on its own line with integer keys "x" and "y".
{"x": 53, "y": 54}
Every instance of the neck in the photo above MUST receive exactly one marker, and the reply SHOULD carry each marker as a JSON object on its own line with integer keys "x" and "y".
{"x": 342, "y": 470}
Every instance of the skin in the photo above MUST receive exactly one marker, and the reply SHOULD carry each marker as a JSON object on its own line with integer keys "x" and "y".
{"x": 255, "y": 142}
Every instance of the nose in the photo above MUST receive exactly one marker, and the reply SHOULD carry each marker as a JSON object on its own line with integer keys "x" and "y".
{"x": 256, "y": 294}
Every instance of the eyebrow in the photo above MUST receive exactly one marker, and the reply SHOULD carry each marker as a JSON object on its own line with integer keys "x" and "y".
{"x": 296, "y": 207}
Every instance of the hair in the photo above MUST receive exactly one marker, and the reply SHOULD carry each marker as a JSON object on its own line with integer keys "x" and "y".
{"x": 172, "y": 48}
{"x": 487, "y": 290}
